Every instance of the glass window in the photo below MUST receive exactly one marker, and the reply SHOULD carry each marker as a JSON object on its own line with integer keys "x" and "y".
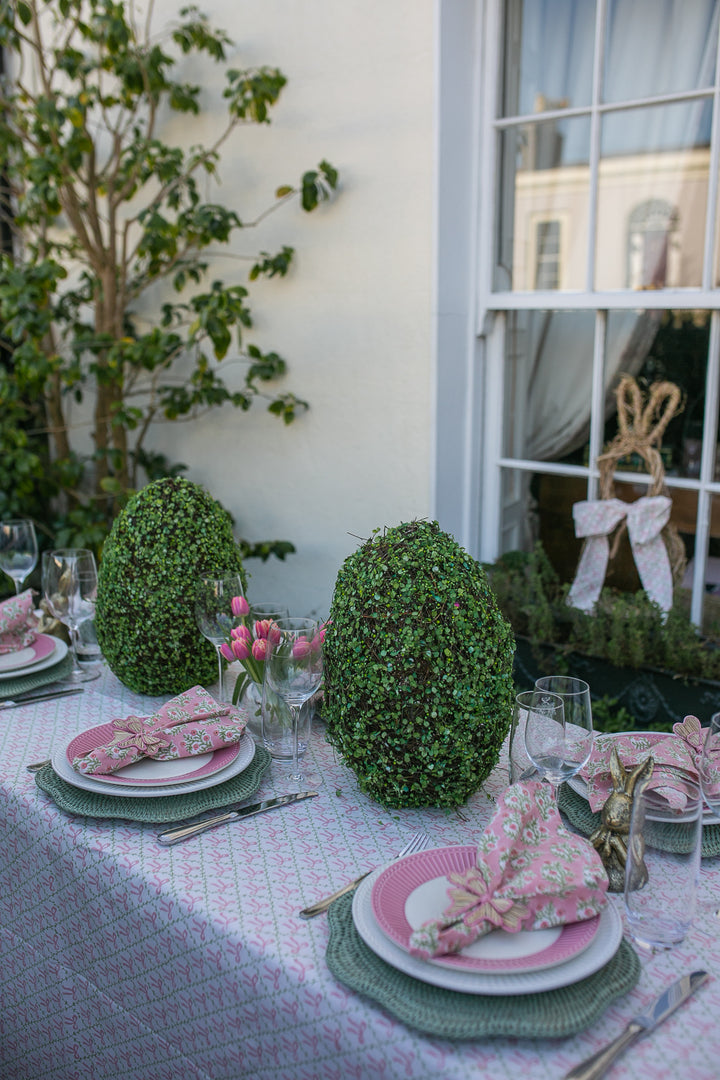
{"x": 604, "y": 191}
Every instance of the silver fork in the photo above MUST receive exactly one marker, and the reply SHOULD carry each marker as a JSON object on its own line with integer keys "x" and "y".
{"x": 417, "y": 842}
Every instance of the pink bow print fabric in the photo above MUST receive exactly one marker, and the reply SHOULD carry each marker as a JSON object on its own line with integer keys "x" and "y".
{"x": 17, "y": 622}
{"x": 676, "y": 758}
{"x": 646, "y": 518}
{"x": 531, "y": 874}
{"x": 189, "y": 724}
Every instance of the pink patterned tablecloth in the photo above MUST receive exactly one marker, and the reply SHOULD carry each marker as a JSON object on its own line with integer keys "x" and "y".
{"x": 120, "y": 958}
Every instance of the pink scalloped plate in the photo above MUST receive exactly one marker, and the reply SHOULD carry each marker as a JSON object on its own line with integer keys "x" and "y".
{"x": 147, "y": 772}
{"x": 42, "y": 646}
{"x": 412, "y": 890}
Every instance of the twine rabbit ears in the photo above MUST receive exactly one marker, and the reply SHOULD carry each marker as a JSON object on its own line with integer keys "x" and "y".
{"x": 641, "y": 426}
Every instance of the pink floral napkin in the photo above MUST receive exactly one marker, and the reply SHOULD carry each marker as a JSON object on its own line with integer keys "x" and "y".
{"x": 17, "y": 622}
{"x": 676, "y": 758}
{"x": 531, "y": 874}
{"x": 191, "y": 723}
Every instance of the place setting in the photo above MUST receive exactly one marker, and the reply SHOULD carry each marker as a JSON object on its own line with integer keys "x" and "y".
{"x": 472, "y": 941}
{"x": 29, "y": 660}
{"x": 193, "y": 754}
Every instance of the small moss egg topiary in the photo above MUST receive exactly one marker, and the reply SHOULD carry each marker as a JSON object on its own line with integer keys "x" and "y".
{"x": 170, "y": 534}
{"x": 418, "y": 669}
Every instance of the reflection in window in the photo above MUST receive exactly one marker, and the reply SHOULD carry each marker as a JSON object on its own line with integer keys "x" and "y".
{"x": 653, "y": 246}
{"x": 547, "y": 255}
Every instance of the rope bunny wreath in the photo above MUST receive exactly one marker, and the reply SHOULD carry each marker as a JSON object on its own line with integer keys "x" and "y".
{"x": 657, "y": 549}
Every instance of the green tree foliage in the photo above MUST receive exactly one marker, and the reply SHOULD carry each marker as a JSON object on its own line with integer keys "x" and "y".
{"x": 102, "y": 210}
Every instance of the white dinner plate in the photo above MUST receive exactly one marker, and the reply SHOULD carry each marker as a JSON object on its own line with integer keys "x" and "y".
{"x": 602, "y": 949}
{"x": 579, "y": 785}
{"x": 174, "y": 785}
{"x": 58, "y": 653}
{"x": 413, "y": 890}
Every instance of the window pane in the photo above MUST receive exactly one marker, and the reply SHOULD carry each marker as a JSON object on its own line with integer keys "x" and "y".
{"x": 660, "y": 346}
{"x": 543, "y": 191}
{"x": 548, "y": 55}
{"x": 652, "y": 193}
{"x": 548, "y": 385}
{"x": 677, "y": 40}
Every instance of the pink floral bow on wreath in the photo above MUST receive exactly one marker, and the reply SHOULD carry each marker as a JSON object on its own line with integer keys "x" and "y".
{"x": 17, "y": 622}
{"x": 531, "y": 874}
{"x": 189, "y": 724}
{"x": 646, "y": 518}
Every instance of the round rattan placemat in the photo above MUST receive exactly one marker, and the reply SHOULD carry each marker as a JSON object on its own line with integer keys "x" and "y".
{"x": 155, "y": 809}
{"x": 22, "y": 684}
{"x": 451, "y": 1015}
{"x": 577, "y": 811}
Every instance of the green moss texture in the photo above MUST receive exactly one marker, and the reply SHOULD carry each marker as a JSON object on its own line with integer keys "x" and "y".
{"x": 418, "y": 669}
{"x": 170, "y": 534}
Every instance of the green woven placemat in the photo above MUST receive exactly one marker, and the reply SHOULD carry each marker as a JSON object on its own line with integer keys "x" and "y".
{"x": 578, "y": 812}
{"x": 22, "y": 684}
{"x": 449, "y": 1014}
{"x": 155, "y": 809}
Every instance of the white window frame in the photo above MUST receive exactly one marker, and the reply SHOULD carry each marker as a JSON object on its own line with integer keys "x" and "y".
{"x": 492, "y": 309}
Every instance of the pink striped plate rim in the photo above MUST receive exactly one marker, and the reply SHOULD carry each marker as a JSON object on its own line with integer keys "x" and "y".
{"x": 412, "y": 890}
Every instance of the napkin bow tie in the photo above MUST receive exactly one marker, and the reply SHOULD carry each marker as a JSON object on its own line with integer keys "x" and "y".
{"x": 17, "y": 622}
{"x": 646, "y": 518}
{"x": 676, "y": 758}
{"x": 191, "y": 723}
{"x": 530, "y": 874}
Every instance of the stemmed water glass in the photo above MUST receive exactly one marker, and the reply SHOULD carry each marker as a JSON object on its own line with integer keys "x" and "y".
{"x": 69, "y": 584}
{"x": 559, "y": 731}
{"x": 18, "y": 550}
{"x": 214, "y": 615}
{"x": 293, "y": 671}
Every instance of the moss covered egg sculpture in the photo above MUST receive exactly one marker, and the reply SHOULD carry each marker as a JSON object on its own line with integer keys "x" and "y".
{"x": 418, "y": 669}
{"x": 170, "y": 534}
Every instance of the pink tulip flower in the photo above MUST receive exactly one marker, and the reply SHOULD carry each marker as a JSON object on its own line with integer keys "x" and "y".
{"x": 240, "y": 649}
{"x": 274, "y": 634}
{"x": 239, "y": 606}
{"x": 301, "y": 649}
{"x": 260, "y": 649}
{"x": 262, "y": 628}
{"x": 227, "y": 652}
{"x": 241, "y": 633}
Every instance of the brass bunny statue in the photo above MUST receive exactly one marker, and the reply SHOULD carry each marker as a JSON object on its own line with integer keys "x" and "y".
{"x": 610, "y": 838}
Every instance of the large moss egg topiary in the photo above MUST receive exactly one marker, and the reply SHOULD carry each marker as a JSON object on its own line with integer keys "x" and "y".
{"x": 418, "y": 669}
{"x": 170, "y": 534}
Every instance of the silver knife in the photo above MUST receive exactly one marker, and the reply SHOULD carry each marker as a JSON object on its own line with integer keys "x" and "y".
{"x": 231, "y": 813}
{"x": 595, "y": 1066}
{"x": 30, "y": 699}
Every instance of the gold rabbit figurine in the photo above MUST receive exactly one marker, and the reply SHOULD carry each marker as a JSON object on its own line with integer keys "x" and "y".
{"x": 610, "y": 838}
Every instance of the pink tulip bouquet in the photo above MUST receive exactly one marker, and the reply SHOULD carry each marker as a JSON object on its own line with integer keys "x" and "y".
{"x": 251, "y": 645}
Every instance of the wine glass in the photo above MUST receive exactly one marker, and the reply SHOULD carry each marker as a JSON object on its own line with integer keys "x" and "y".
{"x": 559, "y": 731}
{"x": 268, "y": 609}
{"x": 293, "y": 671}
{"x": 214, "y": 616}
{"x": 709, "y": 765}
{"x": 69, "y": 583}
{"x": 18, "y": 550}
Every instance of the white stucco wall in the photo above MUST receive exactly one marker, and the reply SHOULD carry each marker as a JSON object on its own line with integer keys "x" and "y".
{"x": 353, "y": 319}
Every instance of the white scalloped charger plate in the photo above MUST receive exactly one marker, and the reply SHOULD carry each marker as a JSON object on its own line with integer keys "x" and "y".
{"x": 413, "y": 890}
{"x": 54, "y": 655}
{"x": 229, "y": 762}
{"x": 602, "y": 949}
